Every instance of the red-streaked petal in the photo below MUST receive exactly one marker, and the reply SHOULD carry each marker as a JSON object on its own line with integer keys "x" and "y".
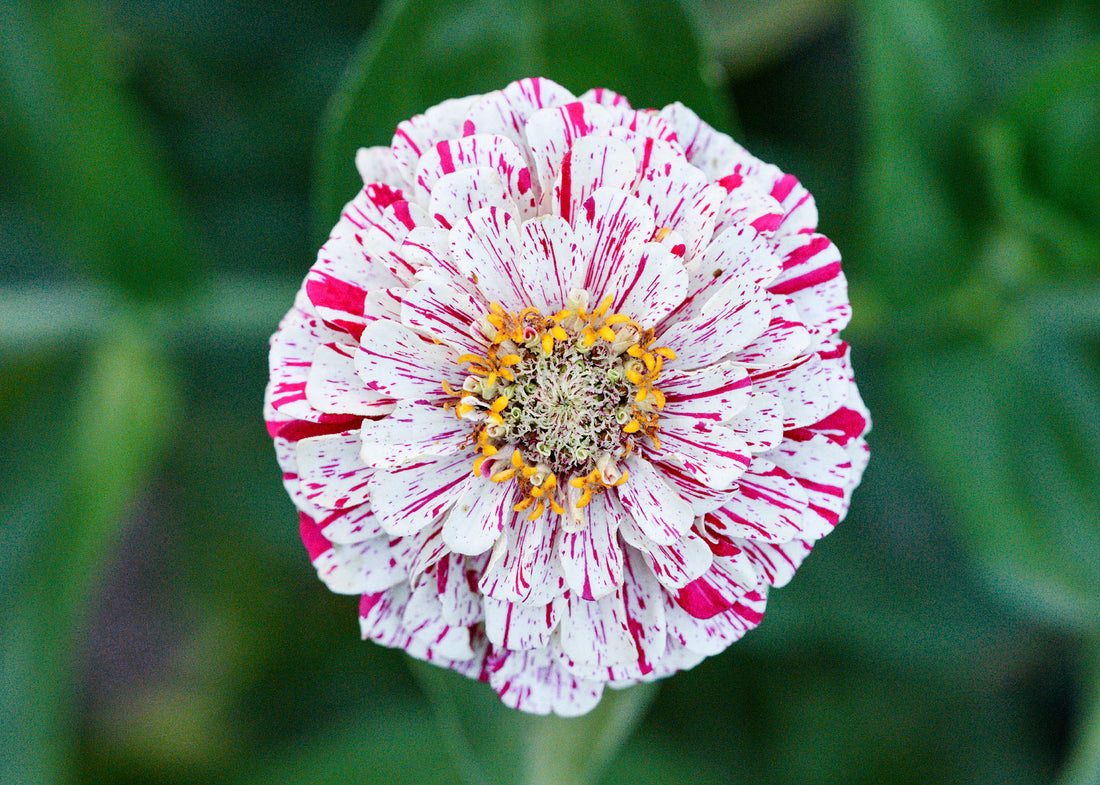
{"x": 550, "y": 265}
{"x": 711, "y": 635}
{"x": 610, "y": 234}
{"x": 485, "y": 152}
{"x": 812, "y": 278}
{"x": 591, "y": 558}
{"x": 536, "y": 682}
{"x": 398, "y": 363}
{"x": 713, "y": 455}
{"x": 769, "y": 506}
{"x": 733, "y": 317}
{"x": 592, "y": 162}
{"x": 416, "y": 136}
{"x": 552, "y": 131}
{"x": 410, "y": 497}
{"x": 330, "y": 472}
{"x": 520, "y": 627}
{"x": 487, "y": 249}
{"x": 673, "y": 565}
{"x": 714, "y": 394}
{"x": 478, "y": 517}
{"x": 653, "y": 504}
{"x": 649, "y": 288}
{"x": 413, "y": 432}
{"x": 594, "y": 633}
{"x": 334, "y": 387}
{"x": 529, "y": 572}
{"x": 717, "y": 591}
{"x": 447, "y": 314}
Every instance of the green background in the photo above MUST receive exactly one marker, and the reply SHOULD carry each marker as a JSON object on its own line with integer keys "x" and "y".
{"x": 166, "y": 170}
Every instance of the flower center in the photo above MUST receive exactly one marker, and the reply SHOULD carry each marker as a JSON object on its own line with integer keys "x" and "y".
{"x": 558, "y": 400}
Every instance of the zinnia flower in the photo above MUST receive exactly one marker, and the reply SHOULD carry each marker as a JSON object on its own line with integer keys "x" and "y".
{"x": 563, "y": 396}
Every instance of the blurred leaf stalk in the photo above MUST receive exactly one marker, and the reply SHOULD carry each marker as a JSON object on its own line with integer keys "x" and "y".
{"x": 972, "y": 249}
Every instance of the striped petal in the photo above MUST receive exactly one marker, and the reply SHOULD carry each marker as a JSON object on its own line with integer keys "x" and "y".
{"x": 408, "y": 498}
{"x": 478, "y": 517}
{"x": 655, "y": 506}
{"x": 415, "y": 431}
{"x": 396, "y": 362}
{"x": 591, "y": 558}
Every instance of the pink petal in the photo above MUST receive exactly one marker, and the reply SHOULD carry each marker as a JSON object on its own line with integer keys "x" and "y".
{"x": 396, "y": 362}
{"x": 655, "y": 506}
{"x": 410, "y": 497}
{"x": 479, "y": 516}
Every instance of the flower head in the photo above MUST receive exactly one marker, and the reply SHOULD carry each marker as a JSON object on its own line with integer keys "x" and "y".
{"x": 563, "y": 395}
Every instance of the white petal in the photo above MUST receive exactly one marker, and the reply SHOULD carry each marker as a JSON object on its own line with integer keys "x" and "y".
{"x": 594, "y": 633}
{"x": 423, "y": 619}
{"x": 478, "y": 518}
{"x": 550, "y": 265}
{"x": 447, "y": 314}
{"x": 409, "y": 498}
{"x": 416, "y": 136}
{"x": 769, "y": 507}
{"x": 610, "y": 233}
{"x": 489, "y": 154}
{"x": 648, "y": 287}
{"x": 812, "y": 278}
{"x": 733, "y": 317}
{"x": 529, "y": 572}
{"x": 333, "y": 386}
{"x": 520, "y": 627}
{"x": 535, "y": 682}
{"x": 713, "y": 455}
{"x": 413, "y": 432}
{"x": 396, "y": 362}
{"x": 658, "y": 510}
{"x": 591, "y": 558}
{"x": 592, "y": 162}
{"x": 487, "y": 249}
{"x": 714, "y": 394}
{"x": 552, "y": 131}
{"x": 330, "y": 471}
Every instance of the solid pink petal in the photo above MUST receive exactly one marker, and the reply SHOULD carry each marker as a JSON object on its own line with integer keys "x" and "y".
{"x": 487, "y": 249}
{"x": 591, "y": 558}
{"x": 410, "y": 497}
{"x": 398, "y": 363}
{"x": 448, "y": 314}
{"x": 733, "y": 317}
{"x": 714, "y": 394}
{"x": 650, "y": 287}
{"x": 718, "y": 590}
{"x": 478, "y": 517}
{"x": 330, "y": 472}
{"x": 812, "y": 278}
{"x": 520, "y": 627}
{"x": 611, "y": 233}
{"x": 713, "y": 455}
{"x": 333, "y": 386}
{"x": 592, "y": 162}
{"x": 595, "y": 633}
{"x": 536, "y": 682}
{"x": 413, "y": 432}
{"x": 552, "y": 131}
{"x": 653, "y": 504}
{"x": 709, "y": 636}
{"x": 769, "y": 507}
{"x": 549, "y": 262}
{"x": 485, "y": 152}
{"x": 416, "y": 136}
{"x": 528, "y": 572}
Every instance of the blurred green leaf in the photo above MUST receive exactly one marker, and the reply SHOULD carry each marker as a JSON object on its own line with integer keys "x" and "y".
{"x": 1011, "y": 455}
{"x": 79, "y": 151}
{"x": 496, "y": 745}
{"x": 425, "y": 51}
{"x": 124, "y": 410}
